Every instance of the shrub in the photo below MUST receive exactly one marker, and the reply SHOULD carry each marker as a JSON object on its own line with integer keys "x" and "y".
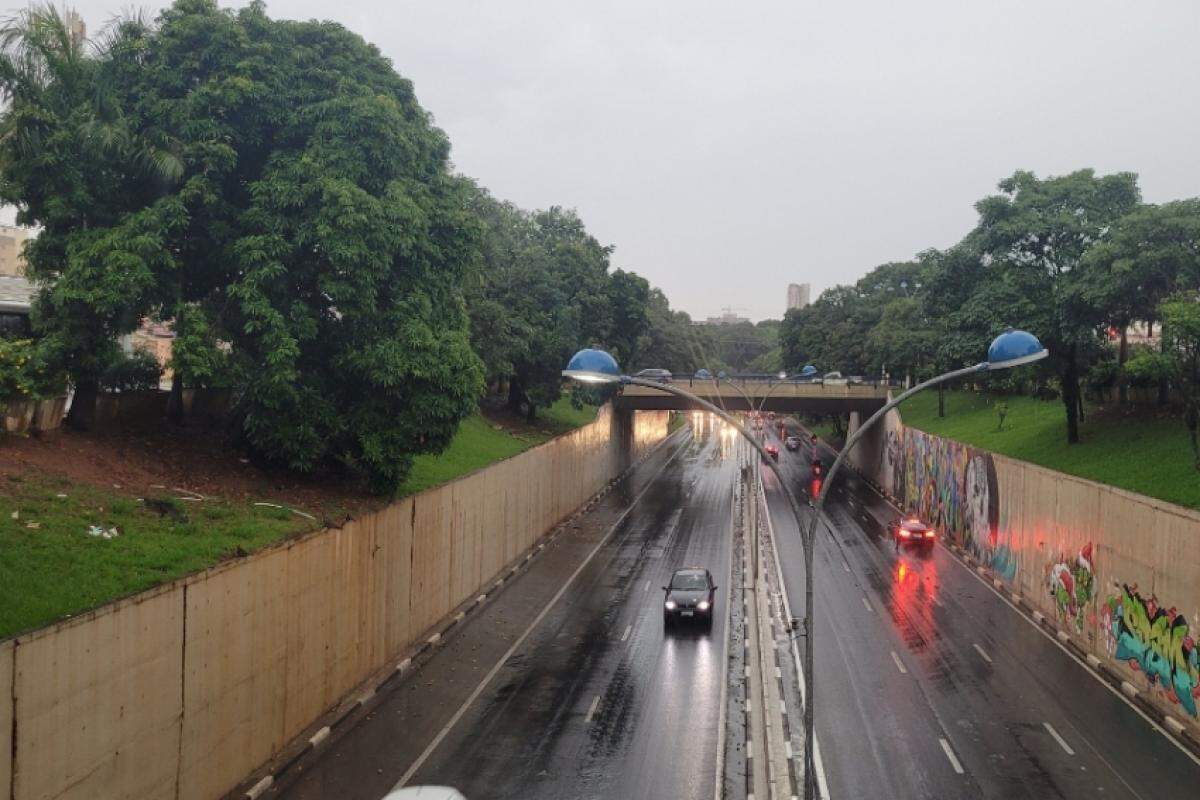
{"x": 1147, "y": 368}
{"x": 137, "y": 372}
{"x": 16, "y": 378}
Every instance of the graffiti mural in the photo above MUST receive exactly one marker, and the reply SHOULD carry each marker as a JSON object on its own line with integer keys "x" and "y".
{"x": 1156, "y": 641}
{"x": 954, "y": 487}
{"x": 1072, "y": 584}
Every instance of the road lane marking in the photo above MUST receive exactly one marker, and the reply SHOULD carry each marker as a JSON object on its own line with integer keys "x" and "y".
{"x": 458, "y": 715}
{"x": 625, "y": 635}
{"x": 867, "y": 604}
{"x": 845, "y": 566}
{"x": 950, "y": 755}
{"x": 981, "y": 652}
{"x": 592, "y": 708}
{"x": 899, "y": 665}
{"x": 1061, "y": 741}
{"x": 647, "y": 587}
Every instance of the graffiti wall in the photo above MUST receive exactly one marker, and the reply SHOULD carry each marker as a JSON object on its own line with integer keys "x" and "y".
{"x": 1119, "y": 572}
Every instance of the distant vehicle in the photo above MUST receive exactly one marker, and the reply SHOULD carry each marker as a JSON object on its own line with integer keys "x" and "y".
{"x": 772, "y": 451}
{"x": 818, "y": 469}
{"x": 833, "y": 377}
{"x": 425, "y": 793}
{"x": 771, "y": 415}
{"x": 657, "y": 375}
{"x": 792, "y": 443}
{"x": 690, "y": 597}
{"x": 911, "y": 530}
{"x": 703, "y": 375}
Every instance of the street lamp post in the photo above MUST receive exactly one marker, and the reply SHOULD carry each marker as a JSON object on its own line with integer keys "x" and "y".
{"x": 1009, "y": 349}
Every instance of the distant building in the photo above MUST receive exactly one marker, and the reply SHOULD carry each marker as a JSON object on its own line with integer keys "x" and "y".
{"x": 798, "y": 295}
{"x": 727, "y": 318}
{"x": 12, "y": 243}
{"x": 16, "y": 297}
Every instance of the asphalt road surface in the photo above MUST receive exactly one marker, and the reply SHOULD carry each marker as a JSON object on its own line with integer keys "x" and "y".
{"x": 598, "y": 701}
{"x": 929, "y": 685}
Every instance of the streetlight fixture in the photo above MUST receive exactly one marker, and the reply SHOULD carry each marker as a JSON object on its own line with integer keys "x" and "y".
{"x": 1010, "y": 349}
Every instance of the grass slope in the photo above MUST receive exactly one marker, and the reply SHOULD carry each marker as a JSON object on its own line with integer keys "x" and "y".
{"x": 1138, "y": 451}
{"x": 55, "y": 568}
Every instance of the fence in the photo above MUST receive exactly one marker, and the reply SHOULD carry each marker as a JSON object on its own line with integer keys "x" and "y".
{"x": 183, "y": 690}
{"x": 1120, "y": 572}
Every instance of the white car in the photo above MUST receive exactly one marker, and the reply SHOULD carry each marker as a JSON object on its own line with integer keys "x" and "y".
{"x": 425, "y": 793}
{"x": 833, "y": 377}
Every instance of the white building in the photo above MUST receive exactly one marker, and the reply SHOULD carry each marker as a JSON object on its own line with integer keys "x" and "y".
{"x": 798, "y": 295}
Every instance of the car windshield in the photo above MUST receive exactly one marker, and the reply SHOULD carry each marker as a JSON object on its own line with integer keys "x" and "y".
{"x": 689, "y": 580}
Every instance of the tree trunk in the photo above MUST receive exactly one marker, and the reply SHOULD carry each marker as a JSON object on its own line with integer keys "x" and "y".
{"x": 1070, "y": 395}
{"x": 1079, "y": 398}
{"x": 1192, "y": 418}
{"x": 82, "y": 416}
{"x": 941, "y": 399}
{"x": 175, "y": 400}
{"x": 1122, "y": 354}
{"x": 515, "y": 395}
{"x": 1164, "y": 386}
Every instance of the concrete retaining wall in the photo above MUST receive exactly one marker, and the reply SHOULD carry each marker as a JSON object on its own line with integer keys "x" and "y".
{"x": 1117, "y": 571}
{"x": 184, "y": 690}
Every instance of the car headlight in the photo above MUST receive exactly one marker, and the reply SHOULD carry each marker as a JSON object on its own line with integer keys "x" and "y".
{"x": 669, "y": 605}
{"x": 702, "y": 605}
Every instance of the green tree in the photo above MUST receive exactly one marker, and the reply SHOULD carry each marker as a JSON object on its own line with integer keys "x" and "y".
{"x": 1149, "y": 253}
{"x": 1033, "y": 236}
{"x": 1181, "y": 333}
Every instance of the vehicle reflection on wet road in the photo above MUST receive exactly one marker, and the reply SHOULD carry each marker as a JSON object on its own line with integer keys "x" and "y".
{"x": 930, "y": 686}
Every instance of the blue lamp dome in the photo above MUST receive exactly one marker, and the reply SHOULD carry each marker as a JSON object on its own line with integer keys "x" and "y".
{"x": 703, "y": 374}
{"x": 592, "y": 366}
{"x": 1014, "y": 348}
{"x": 808, "y": 371}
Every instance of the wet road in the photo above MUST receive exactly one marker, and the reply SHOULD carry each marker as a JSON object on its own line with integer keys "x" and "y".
{"x": 929, "y": 685}
{"x": 597, "y": 702}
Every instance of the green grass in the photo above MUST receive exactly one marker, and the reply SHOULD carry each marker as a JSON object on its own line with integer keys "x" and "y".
{"x": 478, "y": 444}
{"x": 56, "y": 568}
{"x": 1139, "y": 451}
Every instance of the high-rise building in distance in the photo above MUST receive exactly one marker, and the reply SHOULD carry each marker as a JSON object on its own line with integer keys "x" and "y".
{"x": 798, "y": 295}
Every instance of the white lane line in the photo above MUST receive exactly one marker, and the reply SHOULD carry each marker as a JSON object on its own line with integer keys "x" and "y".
{"x": 950, "y": 755}
{"x": 1061, "y": 741}
{"x": 867, "y": 604}
{"x": 647, "y": 587}
{"x": 625, "y": 635}
{"x": 845, "y": 566}
{"x": 445, "y": 731}
{"x": 592, "y": 708}
{"x": 899, "y": 665}
{"x": 981, "y": 652}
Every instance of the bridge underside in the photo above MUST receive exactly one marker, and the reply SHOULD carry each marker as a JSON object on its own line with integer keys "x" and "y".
{"x": 781, "y": 398}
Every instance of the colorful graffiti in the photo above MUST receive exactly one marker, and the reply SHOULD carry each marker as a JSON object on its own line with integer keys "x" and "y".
{"x": 954, "y": 487}
{"x": 1156, "y": 641}
{"x": 1073, "y": 585}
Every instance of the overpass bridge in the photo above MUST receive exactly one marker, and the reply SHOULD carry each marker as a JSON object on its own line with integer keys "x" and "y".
{"x": 781, "y": 396}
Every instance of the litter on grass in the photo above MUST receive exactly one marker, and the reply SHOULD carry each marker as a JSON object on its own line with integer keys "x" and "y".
{"x": 103, "y": 533}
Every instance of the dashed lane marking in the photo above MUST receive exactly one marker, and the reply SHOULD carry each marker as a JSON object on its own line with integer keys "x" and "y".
{"x": 625, "y": 635}
{"x": 954, "y": 762}
{"x": 867, "y": 604}
{"x": 899, "y": 663}
{"x": 1061, "y": 741}
{"x": 982, "y": 653}
{"x": 592, "y": 709}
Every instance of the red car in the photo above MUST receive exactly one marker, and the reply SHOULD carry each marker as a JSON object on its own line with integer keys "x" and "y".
{"x": 911, "y": 530}
{"x": 772, "y": 451}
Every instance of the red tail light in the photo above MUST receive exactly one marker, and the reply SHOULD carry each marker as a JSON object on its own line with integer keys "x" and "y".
{"x": 905, "y": 534}
{"x": 928, "y": 534}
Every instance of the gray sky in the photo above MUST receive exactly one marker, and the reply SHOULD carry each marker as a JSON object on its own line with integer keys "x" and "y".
{"x": 728, "y": 149}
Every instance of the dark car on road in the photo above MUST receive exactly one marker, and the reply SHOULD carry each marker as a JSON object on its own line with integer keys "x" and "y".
{"x": 657, "y": 375}
{"x": 911, "y": 530}
{"x": 792, "y": 443}
{"x": 690, "y": 597}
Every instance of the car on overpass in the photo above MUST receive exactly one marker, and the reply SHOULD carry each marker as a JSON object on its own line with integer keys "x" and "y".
{"x": 656, "y": 375}
{"x": 690, "y": 597}
{"x": 792, "y": 443}
{"x": 772, "y": 451}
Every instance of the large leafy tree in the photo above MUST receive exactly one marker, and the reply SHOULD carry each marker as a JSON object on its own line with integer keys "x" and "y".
{"x": 1033, "y": 236}
{"x": 1181, "y": 335}
{"x": 1148, "y": 254}
{"x": 281, "y": 179}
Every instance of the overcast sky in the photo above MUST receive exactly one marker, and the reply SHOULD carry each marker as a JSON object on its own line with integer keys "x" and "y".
{"x": 727, "y": 149}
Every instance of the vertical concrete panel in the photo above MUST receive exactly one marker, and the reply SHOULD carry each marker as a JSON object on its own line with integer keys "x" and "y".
{"x": 98, "y": 702}
{"x": 309, "y": 630}
{"x": 235, "y": 673}
{"x": 6, "y": 714}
